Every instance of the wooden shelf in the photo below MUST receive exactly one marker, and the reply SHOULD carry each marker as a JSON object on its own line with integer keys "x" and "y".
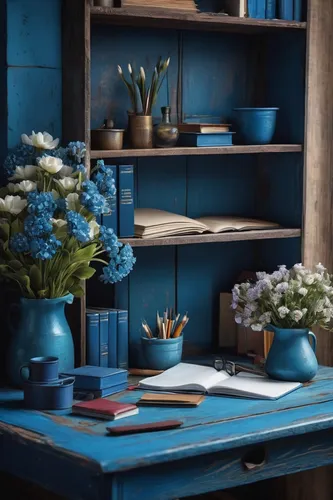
{"x": 178, "y": 151}
{"x": 164, "y": 18}
{"x": 267, "y": 234}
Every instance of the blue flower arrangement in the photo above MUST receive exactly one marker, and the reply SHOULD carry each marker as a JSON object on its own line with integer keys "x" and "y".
{"x": 48, "y": 225}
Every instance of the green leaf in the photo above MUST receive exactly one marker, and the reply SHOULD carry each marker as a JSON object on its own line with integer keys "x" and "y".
{"x": 35, "y": 276}
{"x": 84, "y": 273}
{"x": 16, "y": 265}
{"x": 16, "y": 226}
{"x": 72, "y": 244}
{"x": 43, "y": 294}
{"x": 76, "y": 290}
{"x": 85, "y": 254}
{"x": 5, "y": 230}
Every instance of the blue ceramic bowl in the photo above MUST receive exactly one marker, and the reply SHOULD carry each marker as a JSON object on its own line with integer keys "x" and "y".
{"x": 49, "y": 397}
{"x": 161, "y": 354}
{"x": 256, "y": 125}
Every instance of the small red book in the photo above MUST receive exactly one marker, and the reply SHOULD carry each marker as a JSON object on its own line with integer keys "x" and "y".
{"x": 104, "y": 409}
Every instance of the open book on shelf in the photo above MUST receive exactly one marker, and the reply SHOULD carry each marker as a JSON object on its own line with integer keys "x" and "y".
{"x": 186, "y": 377}
{"x": 154, "y": 223}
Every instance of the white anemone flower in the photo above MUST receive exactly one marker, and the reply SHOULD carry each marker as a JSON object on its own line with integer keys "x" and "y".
{"x": 41, "y": 140}
{"x": 12, "y": 204}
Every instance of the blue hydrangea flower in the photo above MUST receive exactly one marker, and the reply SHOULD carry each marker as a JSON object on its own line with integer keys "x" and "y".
{"x": 78, "y": 226}
{"x": 80, "y": 168}
{"x": 109, "y": 240}
{"x": 61, "y": 204}
{"x": 77, "y": 150}
{"x": 44, "y": 249}
{"x": 18, "y": 156}
{"x": 19, "y": 243}
{"x": 119, "y": 266}
{"x": 41, "y": 203}
{"x": 103, "y": 178}
{"x": 92, "y": 200}
{"x": 37, "y": 225}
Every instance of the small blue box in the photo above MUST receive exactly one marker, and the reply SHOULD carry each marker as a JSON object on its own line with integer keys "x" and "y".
{"x": 195, "y": 139}
{"x": 96, "y": 378}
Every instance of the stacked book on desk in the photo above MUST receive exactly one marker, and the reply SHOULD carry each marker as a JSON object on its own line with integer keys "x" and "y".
{"x": 121, "y": 216}
{"x": 107, "y": 337}
{"x": 153, "y": 223}
{"x": 97, "y": 382}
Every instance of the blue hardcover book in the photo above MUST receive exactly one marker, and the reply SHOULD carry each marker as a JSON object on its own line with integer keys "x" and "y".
{"x": 256, "y": 9}
{"x": 112, "y": 335}
{"x": 126, "y": 201}
{"x": 111, "y": 219}
{"x": 286, "y": 10}
{"x": 92, "y": 338}
{"x": 270, "y": 9}
{"x": 298, "y": 10}
{"x": 122, "y": 341}
{"x": 194, "y": 139}
{"x": 110, "y": 390}
{"x": 103, "y": 347}
{"x": 97, "y": 378}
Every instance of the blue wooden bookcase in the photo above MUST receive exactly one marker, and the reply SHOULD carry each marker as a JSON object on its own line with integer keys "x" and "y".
{"x": 217, "y": 63}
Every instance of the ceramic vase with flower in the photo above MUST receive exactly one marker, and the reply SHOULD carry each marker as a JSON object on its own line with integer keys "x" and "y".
{"x": 50, "y": 237}
{"x": 288, "y": 302}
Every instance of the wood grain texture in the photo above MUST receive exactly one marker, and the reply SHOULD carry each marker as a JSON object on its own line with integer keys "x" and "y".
{"x": 318, "y": 182}
{"x": 76, "y": 117}
{"x": 214, "y": 238}
{"x": 201, "y": 21}
{"x": 179, "y": 151}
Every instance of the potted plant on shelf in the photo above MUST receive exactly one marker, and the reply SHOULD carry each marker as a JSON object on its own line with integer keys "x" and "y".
{"x": 143, "y": 97}
{"x": 288, "y": 302}
{"x": 50, "y": 236}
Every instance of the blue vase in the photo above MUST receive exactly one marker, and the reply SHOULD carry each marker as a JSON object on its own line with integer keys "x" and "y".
{"x": 41, "y": 330}
{"x": 291, "y": 356}
{"x": 256, "y": 125}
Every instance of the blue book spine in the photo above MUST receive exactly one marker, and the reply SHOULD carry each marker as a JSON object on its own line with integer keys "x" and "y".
{"x": 286, "y": 10}
{"x": 111, "y": 219}
{"x": 103, "y": 339}
{"x": 270, "y": 9}
{"x": 204, "y": 140}
{"x": 92, "y": 339}
{"x": 126, "y": 201}
{"x": 252, "y": 8}
{"x": 123, "y": 339}
{"x": 261, "y": 9}
{"x": 297, "y": 10}
{"x": 113, "y": 320}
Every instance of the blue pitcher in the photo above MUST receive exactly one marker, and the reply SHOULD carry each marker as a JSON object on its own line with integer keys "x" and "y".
{"x": 41, "y": 330}
{"x": 291, "y": 356}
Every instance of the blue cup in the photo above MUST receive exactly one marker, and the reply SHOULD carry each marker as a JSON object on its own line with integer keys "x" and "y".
{"x": 256, "y": 125}
{"x": 41, "y": 370}
{"x": 49, "y": 397}
{"x": 161, "y": 354}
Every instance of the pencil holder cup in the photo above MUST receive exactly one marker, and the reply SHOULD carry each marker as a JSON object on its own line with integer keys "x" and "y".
{"x": 161, "y": 354}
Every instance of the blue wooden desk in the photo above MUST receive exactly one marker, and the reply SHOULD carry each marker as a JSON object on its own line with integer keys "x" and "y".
{"x": 74, "y": 457}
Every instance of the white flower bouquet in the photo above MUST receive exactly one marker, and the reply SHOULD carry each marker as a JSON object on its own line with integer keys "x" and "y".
{"x": 288, "y": 298}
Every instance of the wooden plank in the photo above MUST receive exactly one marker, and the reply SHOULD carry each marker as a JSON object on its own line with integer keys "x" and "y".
{"x": 215, "y": 238}
{"x": 165, "y": 18}
{"x": 76, "y": 117}
{"x": 318, "y": 182}
{"x": 180, "y": 151}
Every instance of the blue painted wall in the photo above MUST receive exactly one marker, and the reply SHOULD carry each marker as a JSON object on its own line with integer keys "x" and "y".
{"x": 3, "y": 82}
{"x": 34, "y": 67}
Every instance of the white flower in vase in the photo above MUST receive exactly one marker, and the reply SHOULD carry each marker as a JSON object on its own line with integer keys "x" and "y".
{"x": 26, "y": 186}
{"x": 94, "y": 229}
{"x": 50, "y": 164}
{"x": 72, "y": 201}
{"x": 24, "y": 173}
{"x": 68, "y": 183}
{"x": 41, "y": 140}
{"x": 12, "y": 204}
{"x": 65, "y": 171}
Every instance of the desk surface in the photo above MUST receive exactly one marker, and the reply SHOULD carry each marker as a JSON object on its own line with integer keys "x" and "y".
{"x": 218, "y": 424}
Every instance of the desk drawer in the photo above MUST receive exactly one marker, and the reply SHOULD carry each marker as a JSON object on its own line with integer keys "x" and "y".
{"x": 227, "y": 469}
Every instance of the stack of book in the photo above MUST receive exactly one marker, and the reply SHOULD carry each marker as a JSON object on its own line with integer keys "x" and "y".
{"x": 289, "y": 10}
{"x": 121, "y": 216}
{"x": 176, "y": 5}
{"x": 97, "y": 382}
{"x": 107, "y": 337}
{"x": 154, "y": 223}
{"x": 204, "y": 134}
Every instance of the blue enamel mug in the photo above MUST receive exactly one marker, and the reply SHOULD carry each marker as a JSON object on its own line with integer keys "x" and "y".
{"x": 41, "y": 370}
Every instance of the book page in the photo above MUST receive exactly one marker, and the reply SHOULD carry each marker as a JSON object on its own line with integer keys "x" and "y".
{"x": 220, "y": 223}
{"x": 254, "y": 386}
{"x": 185, "y": 376}
{"x": 151, "y": 217}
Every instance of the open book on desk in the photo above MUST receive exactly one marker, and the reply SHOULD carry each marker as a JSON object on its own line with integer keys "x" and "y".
{"x": 186, "y": 377}
{"x": 154, "y": 223}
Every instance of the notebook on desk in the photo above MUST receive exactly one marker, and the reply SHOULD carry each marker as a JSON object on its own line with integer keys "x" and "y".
{"x": 186, "y": 377}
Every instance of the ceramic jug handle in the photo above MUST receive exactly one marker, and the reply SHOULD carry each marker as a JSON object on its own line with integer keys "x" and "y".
{"x": 12, "y": 309}
{"x": 314, "y": 341}
{"x": 26, "y": 365}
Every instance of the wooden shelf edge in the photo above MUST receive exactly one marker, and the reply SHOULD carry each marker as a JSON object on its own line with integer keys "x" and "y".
{"x": 187, "y": 20}
{"x": 215, "y": 238}
{"x": 199, "y": 151}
